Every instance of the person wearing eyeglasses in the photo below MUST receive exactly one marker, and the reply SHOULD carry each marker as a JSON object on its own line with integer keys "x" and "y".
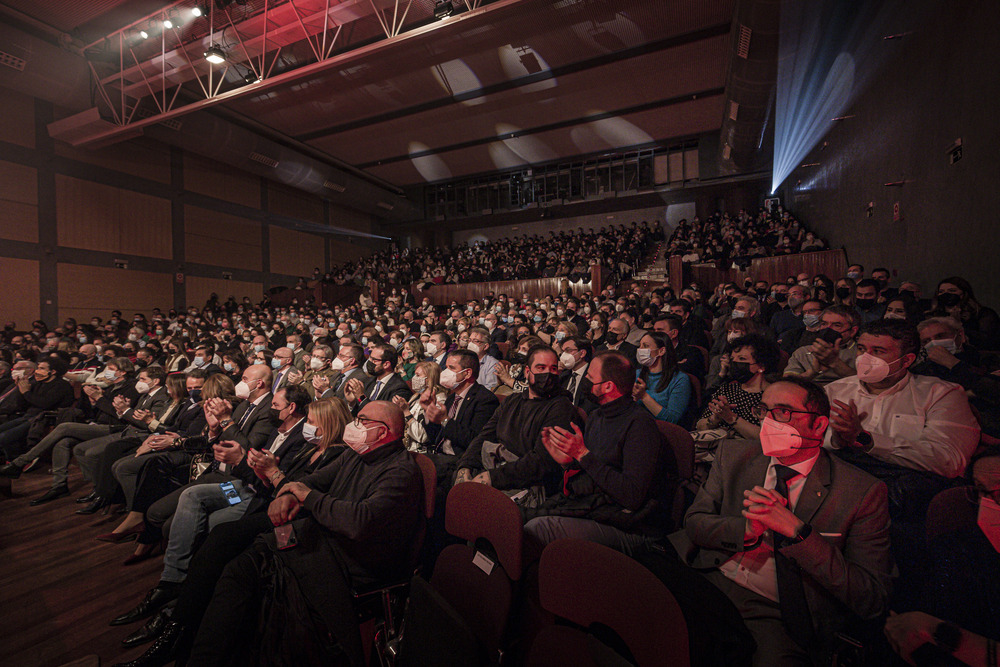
{"x": 355, "y": 520}
{"x": 796, "y": 538}
{"x": 383, "y": 384}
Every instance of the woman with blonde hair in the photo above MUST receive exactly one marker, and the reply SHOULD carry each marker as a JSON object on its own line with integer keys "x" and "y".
{"x": 426, "y": 378}
{"x": 409, "y": 358}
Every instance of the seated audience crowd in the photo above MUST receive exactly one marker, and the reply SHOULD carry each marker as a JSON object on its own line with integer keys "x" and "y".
{"x": 269, "y": 454}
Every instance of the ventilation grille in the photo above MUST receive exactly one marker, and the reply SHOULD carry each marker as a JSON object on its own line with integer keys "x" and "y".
{"x": 743, "y": 47}
{"x": 264, "y": 160}
{"x": 172, "y": 123}
{"x": 11, "y": 61}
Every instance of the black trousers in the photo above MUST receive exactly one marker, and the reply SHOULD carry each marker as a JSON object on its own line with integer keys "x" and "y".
{"x": 105, "y": 484}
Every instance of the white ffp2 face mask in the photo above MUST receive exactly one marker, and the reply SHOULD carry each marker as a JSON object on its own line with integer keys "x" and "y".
{"x": 779, "y": 440}
{"x": 871, "y": 368}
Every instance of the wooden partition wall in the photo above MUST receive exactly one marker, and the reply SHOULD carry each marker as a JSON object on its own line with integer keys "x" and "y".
{"x": 832, "y": 263}
{"x": 535, "y": 288}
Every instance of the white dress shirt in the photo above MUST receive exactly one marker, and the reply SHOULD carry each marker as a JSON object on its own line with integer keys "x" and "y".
{"x": 755, "y": 569}
{"x": 488, "y": 372}
{"x": 921, "y": 422}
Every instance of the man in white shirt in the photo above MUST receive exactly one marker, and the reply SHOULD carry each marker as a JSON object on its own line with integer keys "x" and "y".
{"x": 479, "y": 343}
{"x": 910, "y": 421}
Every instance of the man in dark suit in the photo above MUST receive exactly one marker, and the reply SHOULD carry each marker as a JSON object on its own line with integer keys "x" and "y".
{"x": 282, "y": 363}
{"x": 572, "y": 314}
{"x": 198, "y": 502}
{"x": 618, "y": 330}
{"x": 574, "y": 361}
{"x": 452, "y": 426}
{"x": 203, "y": 355}
{"x": 383, "y": 384}
{"x": 441, "y": 342}
{"x": 348, "y": 365}
{"x": 797, "y": 539}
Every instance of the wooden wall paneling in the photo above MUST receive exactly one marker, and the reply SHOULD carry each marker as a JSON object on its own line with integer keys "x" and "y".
{"x": 293, "y": 203}
{"x": 345, "y": 251}
{"x": 199, "y": 289}
{"x": 221, "y": 240}
{"x": 139, "y": 157}
{"x": 221, "y": 181}
{"x": 87, "y": 215}
{"x": 93, "y": 290}
{"x": 295, "y": 253}
{"x": 18, "y": 113}
{"x": 145, "y": 225}
{"x": 18, "y": 202}
{"x": 19, "y": 279}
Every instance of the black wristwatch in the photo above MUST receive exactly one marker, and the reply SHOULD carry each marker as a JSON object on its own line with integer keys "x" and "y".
{"x": 865, "y": 440}
{"x": 947, "y": 636}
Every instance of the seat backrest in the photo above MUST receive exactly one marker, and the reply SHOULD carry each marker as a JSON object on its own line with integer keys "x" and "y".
{"x": 504, "y": 348}
{"x": 950, "y": 510}
{"x": 704, "y": 355}
{"x": 682, "y": 444}
{"x": 695, "y": 390}
{"x": 477, "y": 511}
{"x": 783, "y": 362}
{"x": 588, "y": 583}
{"x": 429, "y": 473}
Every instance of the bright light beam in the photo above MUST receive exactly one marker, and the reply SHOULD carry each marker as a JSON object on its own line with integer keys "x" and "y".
{"x": 828, "y": 51}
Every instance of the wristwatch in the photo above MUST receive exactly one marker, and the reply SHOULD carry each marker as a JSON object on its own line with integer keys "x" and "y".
{"x": 947, "y": 636}
{"x": 224, "y": 424}
{"x": 865, "y": 440}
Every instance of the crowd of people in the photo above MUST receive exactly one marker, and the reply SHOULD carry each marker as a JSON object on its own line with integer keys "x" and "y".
{"x": 252, "y": 446}
{"x": 726, "y": 241}
{"x": 558, "y": 255}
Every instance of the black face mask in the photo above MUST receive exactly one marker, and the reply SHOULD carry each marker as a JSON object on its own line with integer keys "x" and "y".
{"x": 195, "y": 395}
{"x": 371, "y": 368}
{"x": 545, "y": 384}
{"x": 518, "y": 358}
{"x": 864, "y": 304}
{"x": 275, "y": 415}
{"x": 948, "y": 300}
{"x": 761, "y": 293}
{"x": 610, "y": 337}
{"x": 843, "y": 292}
{"x": 732, "y": 301}
{"x": 781, "y": 297}
{"x": 740, "y": 371}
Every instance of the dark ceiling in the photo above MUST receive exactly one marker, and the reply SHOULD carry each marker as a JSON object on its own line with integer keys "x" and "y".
{"x": 518, "y": 82}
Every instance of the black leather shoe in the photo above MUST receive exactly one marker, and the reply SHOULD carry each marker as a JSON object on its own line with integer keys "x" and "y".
{"x": 163, "y": 651}
{"x": 50, "y": 495}
{"x": 11, "y": 470}
{"x": 152, "y": 630}
{"x": 89, "y": 498}
{"x": 94, "y": 507}
{"x": 154, "y": 599}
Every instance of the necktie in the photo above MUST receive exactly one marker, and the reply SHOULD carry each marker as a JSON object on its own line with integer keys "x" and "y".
{"x": 572, "y": 385}
{"x": 376, "y": 390}
{"x": 245, "y": 417}
{"x": 340, "y": 381}
{"x": 791, "y": 592}
{"x": 453, "y": 410}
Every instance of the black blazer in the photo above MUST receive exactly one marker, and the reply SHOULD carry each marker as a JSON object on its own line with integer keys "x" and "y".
{"x": 394, "y": 386}
{"x": 257, "y": 428}
{"x": 582, "y": 397}
{"x": 285, "y": 455}
{"x": 477, "y": 408}
{"x": 357, "y": 373}
{"x": 187, "y": 421}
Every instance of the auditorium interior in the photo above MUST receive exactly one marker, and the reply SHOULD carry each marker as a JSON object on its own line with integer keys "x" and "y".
{"x": 499, "y": 332}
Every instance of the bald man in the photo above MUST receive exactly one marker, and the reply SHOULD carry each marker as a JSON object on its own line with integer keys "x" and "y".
{"x": 364, "y": 511}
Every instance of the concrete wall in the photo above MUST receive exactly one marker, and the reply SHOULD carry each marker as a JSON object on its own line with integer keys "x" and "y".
{"x": 184, "y": 225}
{"x": 939, "y": 86}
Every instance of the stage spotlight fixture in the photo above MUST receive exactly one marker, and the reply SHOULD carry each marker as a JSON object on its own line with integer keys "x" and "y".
{"x": 143, "y": 33}
{"x": 250, "y": 77}
{"x": 197, "y": 11}
{"x": 167, "y": 23}
{"x": 215, "y": 55}
{"x": 443, "y": 9}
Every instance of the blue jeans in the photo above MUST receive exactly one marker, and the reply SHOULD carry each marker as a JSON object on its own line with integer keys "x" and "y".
{"x": 200, "y": 508}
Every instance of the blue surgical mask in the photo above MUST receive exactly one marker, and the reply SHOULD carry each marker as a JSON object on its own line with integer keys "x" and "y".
{"x": 810, "y": 320}
{"x": 276, "y": 363}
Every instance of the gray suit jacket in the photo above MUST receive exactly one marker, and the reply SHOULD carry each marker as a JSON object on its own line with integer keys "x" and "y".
{"x": 845, "y": 560}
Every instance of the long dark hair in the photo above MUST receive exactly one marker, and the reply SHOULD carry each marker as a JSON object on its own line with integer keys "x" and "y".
{"x": 669, "y": 361}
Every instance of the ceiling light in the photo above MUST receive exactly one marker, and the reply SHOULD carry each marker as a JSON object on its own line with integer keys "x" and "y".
{"x": 252, "y": 77}
{"x": 197, "y": 11}
{"x": 215, "y": 55}
{"x": 443, "y": 9}
{"x": 168, "y": 24}
{"x": 143, "y": 33}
